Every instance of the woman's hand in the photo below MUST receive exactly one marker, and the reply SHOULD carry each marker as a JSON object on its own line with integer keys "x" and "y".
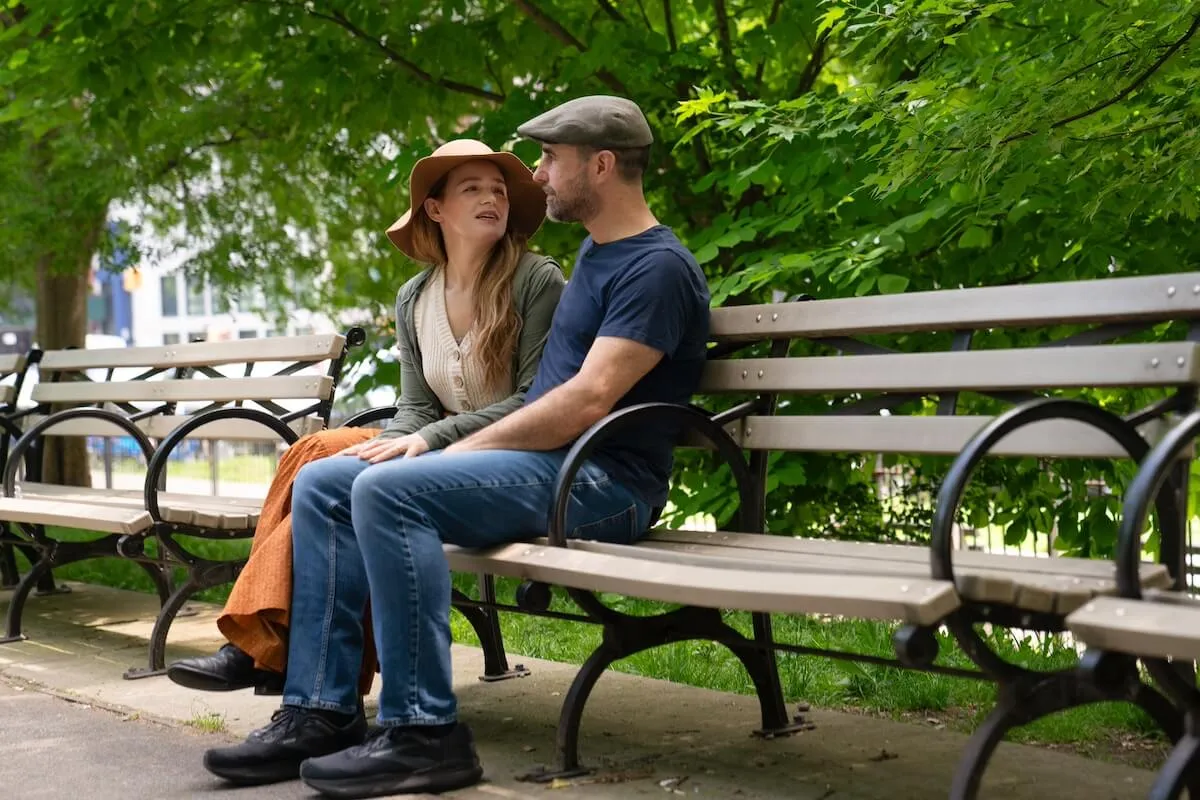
{"x": 379, "y": 450}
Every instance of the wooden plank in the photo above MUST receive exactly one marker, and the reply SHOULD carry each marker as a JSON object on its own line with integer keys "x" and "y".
{"x": 84, "y": 516}
{"x": 201, "y": 511}
{"x": 1142, "y": 628}
{"x": 206, "y": 389}
{"x": 195, "y": 354}
{"x": 799, "y": 592}
{"x": 1152, "y": 574}
{"x": 160, "y": 426}
{"x": 11, "y": 362}
{"x": 1156, "y": 297}
{"x": 1162, "y": 364}
{"x": 1016, "y": 588}
{"x": 945, "y": 435}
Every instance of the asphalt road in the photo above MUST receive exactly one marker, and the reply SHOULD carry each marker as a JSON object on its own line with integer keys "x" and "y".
{"x": 55, "y": 748}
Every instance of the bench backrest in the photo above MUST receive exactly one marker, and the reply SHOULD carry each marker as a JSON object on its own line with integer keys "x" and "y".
{"x": 11, "y": 367}
{"x": 869, "y": 399}
{"x": 292, "y": 378}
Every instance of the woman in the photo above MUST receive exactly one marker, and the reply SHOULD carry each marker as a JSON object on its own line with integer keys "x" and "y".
{"x": 470, "y": 329}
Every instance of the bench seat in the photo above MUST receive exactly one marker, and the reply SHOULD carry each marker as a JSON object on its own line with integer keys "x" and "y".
{"x": 1163, "y": 625}
{"x": 64, "y": 505}
{"x": 720, "y": 585}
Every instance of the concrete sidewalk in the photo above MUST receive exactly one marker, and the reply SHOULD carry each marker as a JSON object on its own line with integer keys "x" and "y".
{"x": 648, "y": 738}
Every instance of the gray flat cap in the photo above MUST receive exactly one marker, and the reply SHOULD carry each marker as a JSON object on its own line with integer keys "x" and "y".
{"x": 598, "y": 121}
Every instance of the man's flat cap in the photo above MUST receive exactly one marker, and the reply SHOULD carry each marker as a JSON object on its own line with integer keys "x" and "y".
{"x": 598, "y": 121}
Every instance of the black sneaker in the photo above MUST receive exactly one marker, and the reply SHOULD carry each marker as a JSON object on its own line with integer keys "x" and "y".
{"x": 274, "y": 753}
{"x": 397, "y": 761}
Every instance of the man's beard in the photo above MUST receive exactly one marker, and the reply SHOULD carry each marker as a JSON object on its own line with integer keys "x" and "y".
{"x": 577, "y": 204}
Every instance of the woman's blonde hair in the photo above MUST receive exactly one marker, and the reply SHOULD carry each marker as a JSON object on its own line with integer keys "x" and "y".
{"x": 497, "y": 325}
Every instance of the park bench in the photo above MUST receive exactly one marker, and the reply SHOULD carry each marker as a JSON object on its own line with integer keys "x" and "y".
{"x": 1158, "y": 629}
{"x": 13, "y": 369}
{"x": 770, "y": 360}
{"x": 264, "y": 390}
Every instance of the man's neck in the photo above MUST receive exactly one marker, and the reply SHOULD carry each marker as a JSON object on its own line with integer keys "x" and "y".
{"x": 621, "y": 217}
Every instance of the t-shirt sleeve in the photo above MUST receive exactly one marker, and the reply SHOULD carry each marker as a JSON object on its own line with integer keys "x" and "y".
{"x": 652, "y": 303}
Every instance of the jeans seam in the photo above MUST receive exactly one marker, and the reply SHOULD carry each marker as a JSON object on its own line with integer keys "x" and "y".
{"x": 414, "y": 631}
{"x": 323, "y": 660}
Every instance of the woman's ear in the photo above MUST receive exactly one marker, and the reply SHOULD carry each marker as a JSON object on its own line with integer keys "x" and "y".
{"x": 433, "y": 208}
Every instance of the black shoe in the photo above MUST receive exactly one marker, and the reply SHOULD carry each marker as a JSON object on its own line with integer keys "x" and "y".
{"x": 227, "y": 670}
{"x": 397, "y": 761}
{"x": 274, "y": 753}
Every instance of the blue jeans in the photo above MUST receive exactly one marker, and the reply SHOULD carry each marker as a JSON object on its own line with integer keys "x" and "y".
{"x": 376, "y": 531}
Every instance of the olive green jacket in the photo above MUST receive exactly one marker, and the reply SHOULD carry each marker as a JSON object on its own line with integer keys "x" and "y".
{"x": 537, "y": 285}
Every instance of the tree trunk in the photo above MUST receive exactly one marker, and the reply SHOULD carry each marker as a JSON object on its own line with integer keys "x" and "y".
{"x": 62, "y": 290}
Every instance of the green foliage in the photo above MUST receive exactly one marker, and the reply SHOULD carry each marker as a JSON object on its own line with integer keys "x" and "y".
{"x": 832, "y": 148}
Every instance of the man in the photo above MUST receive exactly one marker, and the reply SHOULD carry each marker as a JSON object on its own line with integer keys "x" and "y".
{"x": 631, "y": 327}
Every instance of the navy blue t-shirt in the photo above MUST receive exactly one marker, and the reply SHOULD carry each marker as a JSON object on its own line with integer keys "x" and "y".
{"x": 650, "y": 289}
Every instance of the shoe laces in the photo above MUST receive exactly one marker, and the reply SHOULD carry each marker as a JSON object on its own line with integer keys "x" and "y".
{"x": 282, "y": 721}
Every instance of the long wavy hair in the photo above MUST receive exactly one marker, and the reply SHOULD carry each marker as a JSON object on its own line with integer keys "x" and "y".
{"x": 497, "y": 325}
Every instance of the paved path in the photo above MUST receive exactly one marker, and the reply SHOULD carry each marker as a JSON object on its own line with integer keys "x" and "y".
{"x": 649, "y": 739}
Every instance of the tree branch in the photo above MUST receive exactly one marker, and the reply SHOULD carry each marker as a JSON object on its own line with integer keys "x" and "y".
{"x": 338, "y": 18}
{"x": 670, "y": 18}
{"x": 645, "y": 17}
{"x": 771, "y": 19}
{"x": 207, "y": 144}
{"x": 812, "y": 70}
{"x": 609, "y": 9}
{"x": 726, "y": 46}
{"x": 1128, "y": 90}
{"x": 556, "y": 29}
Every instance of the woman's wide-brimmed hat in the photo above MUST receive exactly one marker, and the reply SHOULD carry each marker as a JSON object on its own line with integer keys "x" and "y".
{"x": 526, "y": 200}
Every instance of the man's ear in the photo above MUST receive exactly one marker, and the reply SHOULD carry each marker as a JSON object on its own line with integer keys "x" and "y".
{"x": 605, "y": 165}
{"x": 433, "y": 208}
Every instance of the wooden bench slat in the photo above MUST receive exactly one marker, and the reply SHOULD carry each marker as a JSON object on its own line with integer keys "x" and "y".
{"x": 204, "y": 511}
{"x": 160, "y": 427}
{"x": 11, "y": 362}
{"x": 1157, "y": 297}
{"x": 1017, "y": 588}
{"x": 202, "y": 389}
{"x": 194, "y": 354}
{"x": 1143, "y": 628}
{"x": 103, "y": 518}
{"x": 944, "y": 435}
{"x": 797, "y": 592}
{"x": 1121, "y": 365}
{"x": 1152, "y": 574}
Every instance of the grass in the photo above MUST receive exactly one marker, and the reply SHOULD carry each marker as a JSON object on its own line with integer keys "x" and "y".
{"x": 230, "y": 469}
{"x": 958, "y": 703}
{"x": 208, "y": 721}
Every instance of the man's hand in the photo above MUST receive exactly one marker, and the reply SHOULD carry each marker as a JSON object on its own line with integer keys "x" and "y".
{"x": 379, "y": 450}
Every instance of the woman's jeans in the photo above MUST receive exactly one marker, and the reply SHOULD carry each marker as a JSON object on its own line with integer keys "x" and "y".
{"x": 364, "y": 531}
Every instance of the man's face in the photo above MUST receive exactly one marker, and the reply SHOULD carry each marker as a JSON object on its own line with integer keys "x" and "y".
{"x": 564, "y": 177}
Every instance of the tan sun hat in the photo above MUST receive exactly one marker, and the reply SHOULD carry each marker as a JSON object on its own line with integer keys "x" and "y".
{"x": 526, "y": 200}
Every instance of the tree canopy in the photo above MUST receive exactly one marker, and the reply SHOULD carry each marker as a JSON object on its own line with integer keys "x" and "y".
{"x": 830, "y": 147}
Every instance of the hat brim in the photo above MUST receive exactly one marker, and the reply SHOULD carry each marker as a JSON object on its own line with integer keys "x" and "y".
{"x": 526, "y": 199}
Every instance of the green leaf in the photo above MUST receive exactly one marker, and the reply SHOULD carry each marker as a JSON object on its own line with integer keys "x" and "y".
{"x": 975, "y": 237}
{"x": 18, "y": 59}
{"x": 892, "y": 284}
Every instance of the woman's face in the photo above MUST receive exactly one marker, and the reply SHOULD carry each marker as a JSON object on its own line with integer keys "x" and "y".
{"x": 473, "y": 206}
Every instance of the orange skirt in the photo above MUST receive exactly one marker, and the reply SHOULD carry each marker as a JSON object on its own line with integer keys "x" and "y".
{"x": 256, "y": 615}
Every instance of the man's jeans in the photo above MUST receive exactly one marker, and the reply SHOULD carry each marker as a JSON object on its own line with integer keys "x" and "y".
{"x": 362, "y": 530}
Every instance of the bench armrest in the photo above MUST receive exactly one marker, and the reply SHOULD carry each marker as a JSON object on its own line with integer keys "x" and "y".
{"x": 687, "y": 418}
{"x": 156, "y": 469}
{"x": 377, "y": 414}
{"x": 1155, "y": 480}
{"x": 16, "y": 455}
{"x": 950, "y": 495}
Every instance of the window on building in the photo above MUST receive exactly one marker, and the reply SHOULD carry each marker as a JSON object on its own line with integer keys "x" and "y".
{"x": 247, "y": 334}
{"x": 195, "y": 297}
{"x": 170, "y": 296}
{"x": 170, "y": 338}
{"x": 304, "y": 330}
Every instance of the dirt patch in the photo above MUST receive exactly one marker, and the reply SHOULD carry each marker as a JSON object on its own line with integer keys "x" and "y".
{"x": 1119, "y": 747}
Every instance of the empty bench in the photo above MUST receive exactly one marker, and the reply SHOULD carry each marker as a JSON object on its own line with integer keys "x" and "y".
{"x": 823, "y": 377}
{"x": 264, "y": 390}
